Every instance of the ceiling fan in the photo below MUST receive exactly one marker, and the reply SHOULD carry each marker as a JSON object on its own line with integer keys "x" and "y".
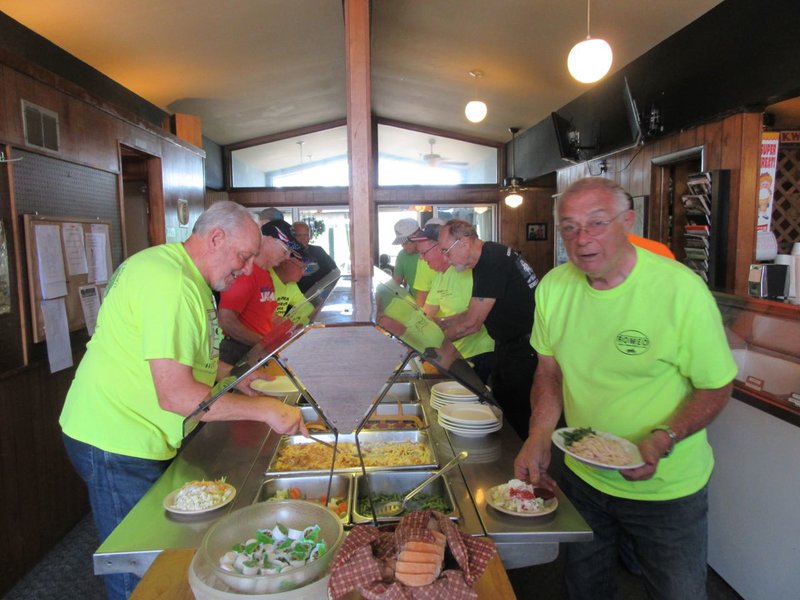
{"x": 432, "y": 159}
{"x": 512, "y": 186}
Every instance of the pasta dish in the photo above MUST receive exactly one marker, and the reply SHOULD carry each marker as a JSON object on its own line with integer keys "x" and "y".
{"x": 600, "y": 449}
{"x": 313, "y": 457}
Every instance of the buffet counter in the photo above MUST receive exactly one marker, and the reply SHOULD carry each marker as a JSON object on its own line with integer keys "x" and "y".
{"x": 241, "y": 452}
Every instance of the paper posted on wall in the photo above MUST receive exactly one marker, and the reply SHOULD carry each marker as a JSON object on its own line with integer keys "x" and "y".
{"x": 59, "y": 351}
{"x": 90, "y": 304}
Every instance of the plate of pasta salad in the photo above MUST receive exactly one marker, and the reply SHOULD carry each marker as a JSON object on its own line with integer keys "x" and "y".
{"x": 597, "y": 448}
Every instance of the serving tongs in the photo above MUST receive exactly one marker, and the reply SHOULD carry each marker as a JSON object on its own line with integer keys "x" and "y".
{"x": 392, "y": 508}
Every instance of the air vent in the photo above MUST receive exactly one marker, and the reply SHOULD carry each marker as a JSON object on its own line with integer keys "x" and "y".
{"x": 41, "y": 126}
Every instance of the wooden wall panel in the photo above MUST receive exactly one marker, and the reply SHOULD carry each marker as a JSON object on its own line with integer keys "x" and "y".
{"x": 41, "y": 497}
{"x": 537, "y": 207}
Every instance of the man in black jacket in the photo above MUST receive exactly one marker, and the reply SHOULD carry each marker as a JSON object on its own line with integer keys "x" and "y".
{"x": 318, "y": 262}
{"x": 503, "y": 287}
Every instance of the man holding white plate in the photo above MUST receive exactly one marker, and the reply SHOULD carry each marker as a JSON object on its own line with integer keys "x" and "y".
{"x": 631, "y": 344}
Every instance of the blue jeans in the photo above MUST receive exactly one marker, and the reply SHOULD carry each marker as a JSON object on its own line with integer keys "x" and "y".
{"x": 670, "y": 539}
{"x": 115, "y": 482}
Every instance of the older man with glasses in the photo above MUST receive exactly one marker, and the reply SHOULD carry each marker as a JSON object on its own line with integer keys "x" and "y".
{"x": 502, "y": 299}
{"x": 629, "y": 343}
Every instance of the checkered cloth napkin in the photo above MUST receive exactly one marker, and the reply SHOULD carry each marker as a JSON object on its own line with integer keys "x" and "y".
{"x": 366, "y": 561}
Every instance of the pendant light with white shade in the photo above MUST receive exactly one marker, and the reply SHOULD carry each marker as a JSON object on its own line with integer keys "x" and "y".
{"x": 475, "y": 110}
{"x": 513, "y": 186}
{"x": 589, "y": 60}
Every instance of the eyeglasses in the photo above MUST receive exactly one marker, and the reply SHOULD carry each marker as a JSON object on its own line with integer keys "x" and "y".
{"x": 422, "y": 254}
{"x": 446, "y": 251}
{"x": 594, "y": 228}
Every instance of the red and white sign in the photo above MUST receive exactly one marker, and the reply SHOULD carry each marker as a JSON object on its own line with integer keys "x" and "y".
{"x": 766, "y": 178}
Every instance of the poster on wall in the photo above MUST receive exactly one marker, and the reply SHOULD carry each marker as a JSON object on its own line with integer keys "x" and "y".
{"x": 766, "y": 178}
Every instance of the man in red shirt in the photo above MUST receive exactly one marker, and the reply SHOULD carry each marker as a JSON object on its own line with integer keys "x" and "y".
{"x": 247, "y": 307}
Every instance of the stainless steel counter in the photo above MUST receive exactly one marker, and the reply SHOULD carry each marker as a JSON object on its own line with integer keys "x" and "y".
{"x": 241, "y": 451}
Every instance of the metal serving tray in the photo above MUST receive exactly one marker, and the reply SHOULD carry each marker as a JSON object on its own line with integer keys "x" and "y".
{"x": 313, "y": 488}
{"x": 310, "y": 415}
{"x": 403, "y": 392}
{"x": 365, "y": 437}
{"x": 398, "y": 483}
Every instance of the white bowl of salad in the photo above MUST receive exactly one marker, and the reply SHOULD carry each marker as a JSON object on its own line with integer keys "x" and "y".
{"x": 272, "y": 547}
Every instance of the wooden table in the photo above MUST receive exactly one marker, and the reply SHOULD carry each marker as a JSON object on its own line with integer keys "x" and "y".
{"x": 166, "y": 579}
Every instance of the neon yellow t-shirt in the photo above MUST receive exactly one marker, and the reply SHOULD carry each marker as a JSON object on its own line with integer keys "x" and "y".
{"x": 451, "y": 291}
{"x": 289, "y": 294}
{"x": 629, "y": 356}
{"x": 157, "y": 306}
{"x": 423, "y": 280}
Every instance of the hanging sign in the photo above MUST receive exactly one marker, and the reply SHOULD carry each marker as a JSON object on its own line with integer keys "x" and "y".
{"x": 766, "y": 178}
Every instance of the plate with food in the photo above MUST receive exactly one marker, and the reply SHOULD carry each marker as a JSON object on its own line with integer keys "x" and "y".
{"x": 201, "y": 496}
{"x": 521, "y": 499}
{"x": 280, "y": 386}
{"x": 598, "y": 448}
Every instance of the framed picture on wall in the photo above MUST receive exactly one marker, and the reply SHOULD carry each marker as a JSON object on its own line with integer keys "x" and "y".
{"x": 640, "y": 205}
{"x": 536, "y": 232}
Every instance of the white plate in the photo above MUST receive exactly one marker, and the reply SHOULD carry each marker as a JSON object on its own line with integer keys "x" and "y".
{"x": 471, "y": 433}
{"x": 452, "y": 389}
{"x": 169, "y": 501}
{"x": 280, "y": 385}
{"x": 630, "y": 448}
{"x": 469, "y": 414}
{"x": 549, "y": 506}
{"x": 438, "y": 403}
{"x": 468, "y": 426}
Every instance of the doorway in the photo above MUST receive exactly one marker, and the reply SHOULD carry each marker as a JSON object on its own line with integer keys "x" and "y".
{"x": 142, "y": 201}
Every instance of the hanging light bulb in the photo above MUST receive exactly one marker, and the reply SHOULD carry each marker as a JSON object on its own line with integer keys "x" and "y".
{"x": 513, "y": 200}
{"x": 589, "y": 60}
{"x": 475, "y": 110}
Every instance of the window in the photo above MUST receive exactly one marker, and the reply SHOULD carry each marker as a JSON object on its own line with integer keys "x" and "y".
{"x": 318, "y": 158}
{"x": 407, "y": 157}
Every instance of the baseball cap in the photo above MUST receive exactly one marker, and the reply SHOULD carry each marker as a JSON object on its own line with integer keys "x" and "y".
{"x": 429, "y": 232}
{"x": 282, "y": 231}
{"x": 404, "y": 228}
{"x": 270, "y": 214}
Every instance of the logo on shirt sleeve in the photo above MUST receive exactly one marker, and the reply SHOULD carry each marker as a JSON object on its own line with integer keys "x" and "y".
{"x": 632, "y": 342}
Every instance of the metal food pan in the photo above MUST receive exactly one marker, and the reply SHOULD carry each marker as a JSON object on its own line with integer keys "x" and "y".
{"x": 403, "y": 392}
{"x": 313, "y": 487}
{"x": 310, "y": 415}
{"x": 398, "y": 483}
{"x": 365, "y": 438}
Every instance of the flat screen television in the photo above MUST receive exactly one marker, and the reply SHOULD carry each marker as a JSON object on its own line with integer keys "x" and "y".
{"x": 632, "y": 114}
{"x": 567, "y": 147}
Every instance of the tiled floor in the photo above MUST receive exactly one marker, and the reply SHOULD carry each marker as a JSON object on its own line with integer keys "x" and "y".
{"x": 66, "y": 574}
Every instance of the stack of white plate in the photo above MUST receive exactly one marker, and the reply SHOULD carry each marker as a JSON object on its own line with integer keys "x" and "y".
{"x": 469, "y": 420}
{"x": 451, "y": 392}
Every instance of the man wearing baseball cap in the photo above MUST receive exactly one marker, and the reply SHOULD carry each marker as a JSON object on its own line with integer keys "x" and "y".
{"x": 425, "y": 274}
{"x": 247, "y": 309}
{"x": 405, "y": 268}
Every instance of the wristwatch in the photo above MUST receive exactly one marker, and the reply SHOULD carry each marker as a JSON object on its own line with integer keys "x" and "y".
{"x": 672, "y": 437}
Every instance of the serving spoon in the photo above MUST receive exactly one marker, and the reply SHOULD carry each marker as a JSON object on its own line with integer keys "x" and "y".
{"x": 391, "y": 508}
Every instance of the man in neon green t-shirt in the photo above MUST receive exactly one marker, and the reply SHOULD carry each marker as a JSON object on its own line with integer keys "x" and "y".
{"x": 629, "y": 343}
{"x": 152, "y": 360}
{"x": 449, "y": 293}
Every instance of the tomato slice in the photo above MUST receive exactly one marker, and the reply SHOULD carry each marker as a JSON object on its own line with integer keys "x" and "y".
{"x": 522, "y": 494}
{"x": 295, "y": 493}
